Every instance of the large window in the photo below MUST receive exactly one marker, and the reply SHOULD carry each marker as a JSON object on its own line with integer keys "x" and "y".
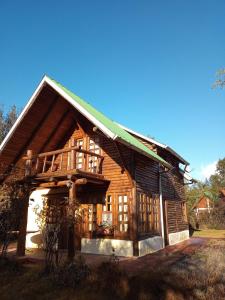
{"x": 123, "y": 213}
{"x": 148, "y": 213}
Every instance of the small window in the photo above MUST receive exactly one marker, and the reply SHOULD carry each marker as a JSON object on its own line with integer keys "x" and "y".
{"x": 93, "y": 160}
{"x": 107, "y": 211}
{"x": 92, "y": 217}
{"x": 123, "y": 213}
{"x": 79, "y": 155}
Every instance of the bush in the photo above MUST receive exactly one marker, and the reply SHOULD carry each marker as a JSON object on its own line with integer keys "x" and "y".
{"x": 213, "y": 220}
{"x": 10, "y": 265}
{"x": 111, "y": 279}
{"x": 72, "y": 274}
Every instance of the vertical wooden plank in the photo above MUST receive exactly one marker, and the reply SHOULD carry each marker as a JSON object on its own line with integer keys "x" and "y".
{"x": 52, "y": 164}
{"x": 73, "y": 153}
{"x": 28, "y": 165}
{"x": 44, "y": 164}
{"x": 61, "y": 161}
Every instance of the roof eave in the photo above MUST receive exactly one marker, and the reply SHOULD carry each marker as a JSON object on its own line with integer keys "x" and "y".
{"x": 164, "y": 163}
{"x": 156, "y": 143}
{"x": 23, "y": 113}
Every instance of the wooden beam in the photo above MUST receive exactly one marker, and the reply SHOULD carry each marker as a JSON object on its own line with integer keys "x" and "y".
{"x": 80, "y": 181}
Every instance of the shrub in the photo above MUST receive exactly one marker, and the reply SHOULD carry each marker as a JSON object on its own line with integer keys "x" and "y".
{"x": 72, "y": 274}
{"x": 10, "y": 265}
{"x": 111, "y": 279}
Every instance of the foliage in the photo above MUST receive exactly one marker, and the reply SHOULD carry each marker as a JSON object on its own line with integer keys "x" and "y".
{"x": 210, "y": 189}
{"x": 12, "y": 193}
{"x": 72, "y": 274}
{"x": 7, "y": 120}
{"x": 111, "y": 278}
{"x": 217, "y": 181}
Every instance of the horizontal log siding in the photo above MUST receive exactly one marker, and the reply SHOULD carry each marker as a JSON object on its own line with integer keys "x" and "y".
{"x": 146, "y": 175}
{"x": 175, "y": 220}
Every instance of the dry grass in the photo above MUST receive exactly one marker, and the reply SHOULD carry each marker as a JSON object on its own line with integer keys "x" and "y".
{"x": 197, "y": 276}
{"x": 210, "y": 233}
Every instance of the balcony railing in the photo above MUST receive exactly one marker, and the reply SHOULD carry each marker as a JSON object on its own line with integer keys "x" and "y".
{"x": 63, "y": 161}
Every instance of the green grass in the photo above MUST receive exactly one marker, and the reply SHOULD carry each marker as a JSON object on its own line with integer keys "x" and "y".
{"x": 210, "y": 233}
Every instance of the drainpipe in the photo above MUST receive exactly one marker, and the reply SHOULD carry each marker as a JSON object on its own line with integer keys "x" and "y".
{"x": 161, "y": 207}
{"x": 161, "y": 203}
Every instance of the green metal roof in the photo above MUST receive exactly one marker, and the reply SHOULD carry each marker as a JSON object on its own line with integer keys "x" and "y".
{"x": 122, "y": 135}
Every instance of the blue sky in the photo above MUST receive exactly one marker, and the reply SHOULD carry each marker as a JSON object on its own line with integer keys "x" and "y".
{"x": 147, "y": 64}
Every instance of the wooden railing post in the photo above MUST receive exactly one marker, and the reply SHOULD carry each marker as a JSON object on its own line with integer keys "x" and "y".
{"x": 28, "y": 165}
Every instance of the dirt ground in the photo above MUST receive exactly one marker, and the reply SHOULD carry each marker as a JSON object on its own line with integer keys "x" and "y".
{"x": 132, "y": 265}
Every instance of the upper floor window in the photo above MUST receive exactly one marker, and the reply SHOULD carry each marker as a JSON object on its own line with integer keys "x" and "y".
{"x": 93, "y": 161}
{"x": 79, "y": 155}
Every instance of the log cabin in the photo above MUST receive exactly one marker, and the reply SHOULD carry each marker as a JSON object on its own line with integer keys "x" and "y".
{"x": 129, "y": 188}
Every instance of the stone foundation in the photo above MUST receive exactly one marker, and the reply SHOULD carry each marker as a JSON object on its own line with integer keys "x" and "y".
{"x": 178, "y": 237}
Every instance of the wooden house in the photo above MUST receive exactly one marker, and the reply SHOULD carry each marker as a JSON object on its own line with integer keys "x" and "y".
{"x": 130, "y": 188}
{"x": 203, "y": 205}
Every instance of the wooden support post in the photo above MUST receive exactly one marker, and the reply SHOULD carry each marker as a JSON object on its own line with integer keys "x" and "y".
{"x": 134, "y": 222}
{"x": 71, "y": 213}
{"x": 23, "y": 227}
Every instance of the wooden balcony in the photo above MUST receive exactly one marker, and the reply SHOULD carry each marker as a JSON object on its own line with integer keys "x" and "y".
{"x": 62, "y": 163}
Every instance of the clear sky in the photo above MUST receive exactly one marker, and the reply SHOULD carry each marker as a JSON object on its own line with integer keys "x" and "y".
{"x": 147, "y": 64}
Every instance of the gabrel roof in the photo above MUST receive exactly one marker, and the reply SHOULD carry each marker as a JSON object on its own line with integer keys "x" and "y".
{"x": 110, "y": 128}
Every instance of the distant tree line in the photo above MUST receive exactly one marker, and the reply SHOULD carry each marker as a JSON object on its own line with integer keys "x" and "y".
{"x": 210, "y": 188}
{"x": 7, "y": 119}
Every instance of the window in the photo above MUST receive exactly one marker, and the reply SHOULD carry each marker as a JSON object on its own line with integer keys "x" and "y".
{"x": 79, "y": 155}
{"x": 107, "y": 211}
{"x": 93, "y": 160}
{"x": 148, "y": 214}
{"x": 92, "y": 217}
{"x": 123, "y": 213}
